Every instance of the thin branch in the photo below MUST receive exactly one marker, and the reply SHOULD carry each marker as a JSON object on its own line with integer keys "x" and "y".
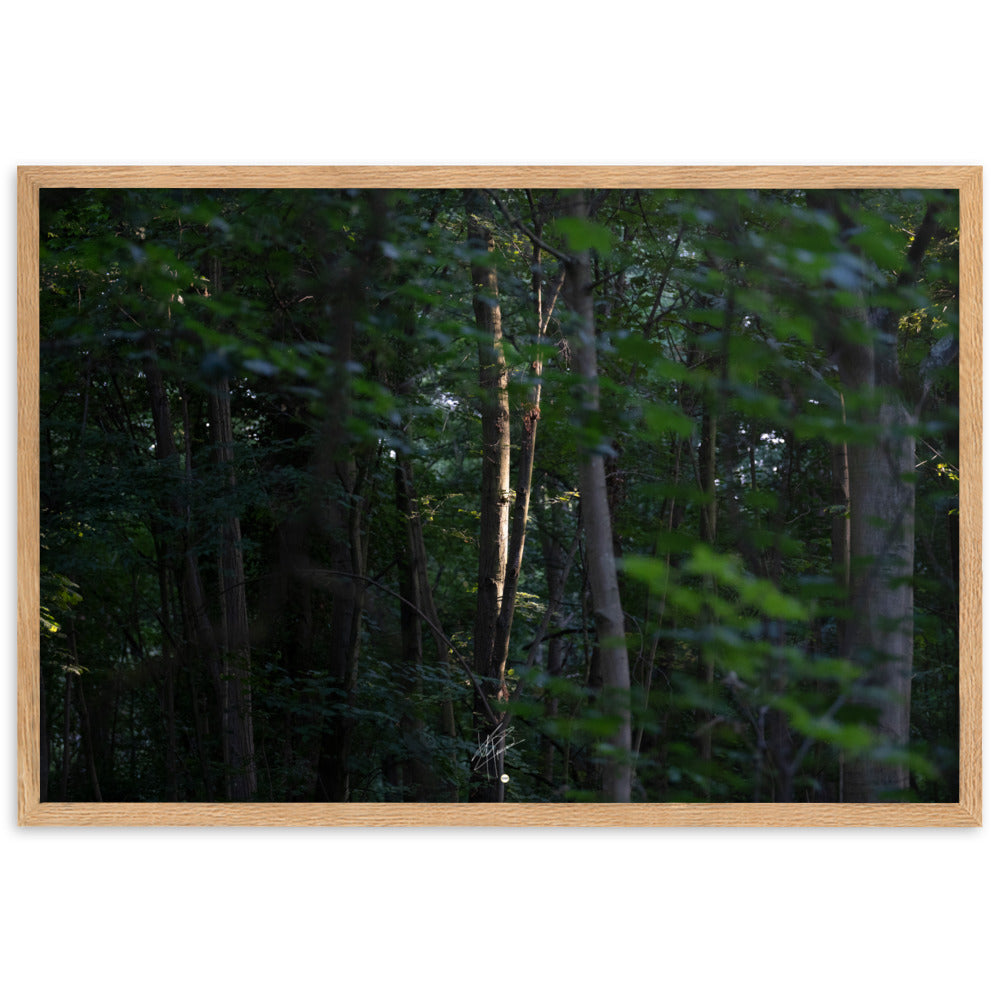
{"x": 368, "y": 581}
{"x": 555, "y": 289}
{"x": 521, "y": 227}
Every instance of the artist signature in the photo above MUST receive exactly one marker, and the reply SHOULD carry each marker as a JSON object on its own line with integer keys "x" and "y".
{"x": 489, "y": 755}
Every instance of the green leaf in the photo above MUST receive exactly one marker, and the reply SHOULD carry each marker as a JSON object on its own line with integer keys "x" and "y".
{"x": 664, "y": 418}
{"x": 584, "y": 234}
{"x": 650, "y": 570}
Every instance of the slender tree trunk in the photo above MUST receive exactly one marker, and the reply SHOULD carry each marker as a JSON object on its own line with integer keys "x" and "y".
{"x": 707, "y": 450}
{"x": 410, "y": 625}
{"x": 530, "y": 415}
{"x": 169, "y": 667}
{"x": 44, "y": 749}
{"x": 557, "y": 563}
{"x": 66, "y": 734}
{"x": 84, "y": 715}
{"x": 199, "y": 633}
{"x": 840, "y": 548}
{"x": 88, "y": 742}
{"x": 716, "y": 424}
{"x": 840, "y": 531}
{"x": 495, "y": 492}
{"x": 416, "y": 769}
{"x": 349, "y": 568}
{"x": 345, "y": 465}
{"x": 237, "y": 701}
{"x": 602, "y": 571}
{"x": 656, "y": 604}
{"x": 495, "y": 489}
{"x": 424, "y": 600}
{"x": 707, "y": 534}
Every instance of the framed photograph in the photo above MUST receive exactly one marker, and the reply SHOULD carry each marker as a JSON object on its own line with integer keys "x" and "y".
{"x": 498, "y": 496}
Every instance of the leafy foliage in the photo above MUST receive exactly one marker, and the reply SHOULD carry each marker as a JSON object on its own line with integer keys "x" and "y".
{"x": 338, "y": 326}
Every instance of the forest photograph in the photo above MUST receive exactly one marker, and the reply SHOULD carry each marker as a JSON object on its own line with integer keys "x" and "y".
{"x": 449, "y": 495}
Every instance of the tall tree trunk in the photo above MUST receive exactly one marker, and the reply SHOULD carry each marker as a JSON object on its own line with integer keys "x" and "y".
{"x": 656, "y": 604}
{"x": 64, "y": 763}
{"x": 73, "y": 676}
{"x": 169, "y": 666}
{"x": 879, "y": 634}
{"x": 495, "y": 489}
{"x": 345, "y": 465}
{"x": 45, "y": 740}
{"x": 840, "y": 529}
{"x": 558, "y": 562}
{"x": 602, "y": 571}
{"x": 530, "y": 415}
{"x": 237, "y": 702}
{"x": 424, "y": 600}
{"x": 416, "y": 772}
{"x": 707, "y": 534}
{"x": 410, "y": 625}
{"x": 88, "y": 742}
{"x": 200, "y": 636}
{"x": 349, "y": 564}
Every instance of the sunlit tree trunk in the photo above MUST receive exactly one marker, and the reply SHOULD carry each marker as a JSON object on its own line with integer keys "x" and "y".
{"x": 530, "y": 415}
{"x": 495, "y": 495}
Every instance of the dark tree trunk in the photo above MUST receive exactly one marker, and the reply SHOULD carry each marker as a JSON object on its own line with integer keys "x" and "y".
{"x": 169, "y": 703}
{"x": 199, "y": 634}
{"x": 557, "y": 561}
{"x": 45, "y": 739}
{"x": 345, "y": 465}
{"x": 427, "y": 606}
{"x": 346, "y": 593}
{"x": 237, "y": 700}
{"x": 416, "y": 771}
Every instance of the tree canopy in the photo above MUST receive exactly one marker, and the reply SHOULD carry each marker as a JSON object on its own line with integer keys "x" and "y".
{"x": 451, "y": 495}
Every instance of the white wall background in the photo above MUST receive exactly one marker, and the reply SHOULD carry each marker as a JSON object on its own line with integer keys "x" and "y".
{"x": 294, "y": 913}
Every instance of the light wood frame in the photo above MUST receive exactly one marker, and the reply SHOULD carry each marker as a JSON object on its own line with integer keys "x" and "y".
{"x": 967, "y": 812}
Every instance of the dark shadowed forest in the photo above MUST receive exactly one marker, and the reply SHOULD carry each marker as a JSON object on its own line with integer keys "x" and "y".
{"x": 514, "y": 495}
